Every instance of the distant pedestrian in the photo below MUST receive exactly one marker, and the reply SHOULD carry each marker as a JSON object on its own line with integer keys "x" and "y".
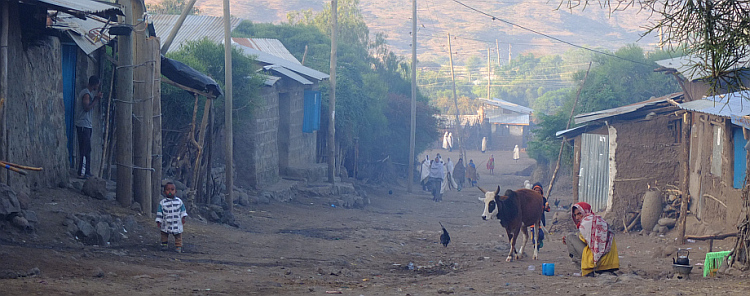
{"x": 471, "y": 173}
{"x": 437, "y": 170}
{"x": 459, "y": 173}
{"x": 87, "y": 97}
{"x": 425, "y": 172}
{"x": 170, "y": 218}
{"x": 450, "y": 142}
{"x": 445, "y": 141}
{"x": 516, "y": 153}
{"x": 484, "y": 144}
{"x": 491, "y": 164}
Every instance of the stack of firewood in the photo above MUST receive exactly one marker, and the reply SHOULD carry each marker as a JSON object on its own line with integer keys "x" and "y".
{"x": 672, "y": 201}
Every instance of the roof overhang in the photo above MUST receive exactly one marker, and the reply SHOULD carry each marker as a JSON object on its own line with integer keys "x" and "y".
{"x": 81, "y": 8}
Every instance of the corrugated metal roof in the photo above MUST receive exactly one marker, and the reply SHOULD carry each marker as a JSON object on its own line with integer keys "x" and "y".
{"x": 724, "y": 105}
{"x": 271, "y": 46}
{"x": 507, "y": 105}
{"x": 510, "y": 119}
{"x": 288, "y": 73}
{"x": 598, "y": 115}
{"x": 686, "y": 66}
{"x": 79, "y": 29}
{"x": 194, "y": 28}
{"x": 85, "y": 6}
{"x": 270, "y": 59}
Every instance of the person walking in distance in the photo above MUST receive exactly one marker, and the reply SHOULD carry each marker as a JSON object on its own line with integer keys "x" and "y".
{"x": 491, "y": 164}
{"x": 88, "y": 98}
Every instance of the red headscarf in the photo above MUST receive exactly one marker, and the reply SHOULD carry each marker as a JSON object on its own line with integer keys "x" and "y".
{"x": 595, "y": 230}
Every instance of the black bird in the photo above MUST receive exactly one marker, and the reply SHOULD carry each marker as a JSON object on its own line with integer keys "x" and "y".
{"x": 557, "y": 203}
{"x": 444, "y": 238}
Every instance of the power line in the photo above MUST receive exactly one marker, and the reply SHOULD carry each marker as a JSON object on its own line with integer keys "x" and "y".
{"x": 547, "y": 36}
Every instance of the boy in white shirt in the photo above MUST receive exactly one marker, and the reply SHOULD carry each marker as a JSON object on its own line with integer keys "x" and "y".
{"x": 170, "y": 216}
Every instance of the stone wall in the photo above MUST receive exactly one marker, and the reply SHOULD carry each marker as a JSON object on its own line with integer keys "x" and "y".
{"x": 34, "y": 109}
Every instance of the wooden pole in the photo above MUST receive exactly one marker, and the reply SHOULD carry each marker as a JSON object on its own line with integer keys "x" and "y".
{"x": 176, "y": 28}
{"x": 684, "y": 184}
{"x": 106, "y": 121}
{"x": 229, "y": 136}
{"x": 331, "y": 145}
{"x": 142, "y": 123}
{"x": 562, "y": 143}
{"x": 413, "y": 131}
{"x": 210, "y": 149}
{"x": 156, "y": 148}
{"x": 462, "y": 152}
{"x": 497, "y": 48}
{"x": 124, "y": 111}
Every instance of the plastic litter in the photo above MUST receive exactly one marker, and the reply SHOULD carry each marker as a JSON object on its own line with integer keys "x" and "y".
{"x": 532, "y": 268}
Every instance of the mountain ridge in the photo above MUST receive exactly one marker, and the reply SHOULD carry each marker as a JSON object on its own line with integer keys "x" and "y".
{"x": 473, "y": 32}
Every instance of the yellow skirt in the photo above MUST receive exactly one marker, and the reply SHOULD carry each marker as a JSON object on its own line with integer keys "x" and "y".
{"x": 608, "y": 261}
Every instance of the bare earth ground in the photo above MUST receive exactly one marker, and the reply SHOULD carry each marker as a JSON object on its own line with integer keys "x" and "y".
{"x": 306, "y": 247}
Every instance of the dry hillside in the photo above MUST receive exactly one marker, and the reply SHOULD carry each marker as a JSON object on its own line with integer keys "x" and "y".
{"x": 592, "y": 27}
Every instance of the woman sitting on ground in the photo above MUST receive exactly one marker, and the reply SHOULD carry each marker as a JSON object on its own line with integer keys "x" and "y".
{"x": 594, "y": 246}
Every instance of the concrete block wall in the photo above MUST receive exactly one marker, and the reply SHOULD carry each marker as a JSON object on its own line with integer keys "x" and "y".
{"x": 256, "y": 152}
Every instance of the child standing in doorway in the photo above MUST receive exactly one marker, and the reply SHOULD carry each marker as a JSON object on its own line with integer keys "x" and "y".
{"x": 170, "y": 217}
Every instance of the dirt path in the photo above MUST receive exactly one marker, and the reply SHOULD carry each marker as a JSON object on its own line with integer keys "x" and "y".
{"x": 307, "y": 247}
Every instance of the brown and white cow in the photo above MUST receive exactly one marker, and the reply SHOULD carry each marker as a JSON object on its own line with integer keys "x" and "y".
{"x": 516, "y": 210}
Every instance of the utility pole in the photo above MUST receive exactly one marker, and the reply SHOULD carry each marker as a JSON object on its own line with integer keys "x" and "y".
{"x": 229, "y": 136}
{"x": 332, "y": 100}
{"x": 455, "y": 101}
{"x": 412, "y": 134}
{"x": 124, "y": 111}
{"x": 497, "y": 47}
{"x": 489, "y": 75}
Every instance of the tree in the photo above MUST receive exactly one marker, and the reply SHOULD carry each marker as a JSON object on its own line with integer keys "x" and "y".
{"x": 714, "y": 33}
{"x": 171, "y": 7}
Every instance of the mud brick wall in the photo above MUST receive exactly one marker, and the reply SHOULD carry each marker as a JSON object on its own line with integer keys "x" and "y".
{"x": 647, "y": 152}
{"x": 34, "y": 110}
{"x": 704, "y": 183}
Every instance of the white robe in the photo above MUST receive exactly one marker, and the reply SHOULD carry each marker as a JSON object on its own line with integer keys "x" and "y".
{"x": 448, "y": 178}
{"x": 484, "y": 144}
{"x": 445, "y": 141}
{"x": 450, "y": 140}
{"x": 516, "y": 153}
{"x": 425, "y": 170}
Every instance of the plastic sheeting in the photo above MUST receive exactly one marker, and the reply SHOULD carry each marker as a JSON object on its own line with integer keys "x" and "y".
{"x": 184, "y": 75}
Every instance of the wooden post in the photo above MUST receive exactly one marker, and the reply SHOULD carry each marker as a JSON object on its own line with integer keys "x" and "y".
{"x": 413, "y": 122}
{"x": 156, "y": 148}
{"x": 686, "y": 127}
{"x": 124, "y": 111}
{"x": 331, "y": 143}
{"x": 142, "y": 123}
{"x": 229, "y": 136}
{"x": 497, "y": 48}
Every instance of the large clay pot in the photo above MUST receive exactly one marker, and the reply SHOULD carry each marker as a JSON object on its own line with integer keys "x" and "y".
{"x": 651, "y": 210}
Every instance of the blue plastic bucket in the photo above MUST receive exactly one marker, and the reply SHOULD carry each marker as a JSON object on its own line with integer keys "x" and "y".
{"x": 548, "y": 269}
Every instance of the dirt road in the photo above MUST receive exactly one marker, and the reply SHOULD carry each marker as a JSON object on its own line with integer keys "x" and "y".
{"x": 307, "y": 247}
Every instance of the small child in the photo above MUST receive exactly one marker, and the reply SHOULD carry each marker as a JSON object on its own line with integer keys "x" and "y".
{"x": 170, "y": 216}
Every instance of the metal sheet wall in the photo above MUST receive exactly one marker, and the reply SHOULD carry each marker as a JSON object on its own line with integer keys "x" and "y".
{"x": 593, "y": 181}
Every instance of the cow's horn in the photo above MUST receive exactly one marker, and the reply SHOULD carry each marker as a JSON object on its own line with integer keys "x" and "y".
{"x": 482, "y": 190}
